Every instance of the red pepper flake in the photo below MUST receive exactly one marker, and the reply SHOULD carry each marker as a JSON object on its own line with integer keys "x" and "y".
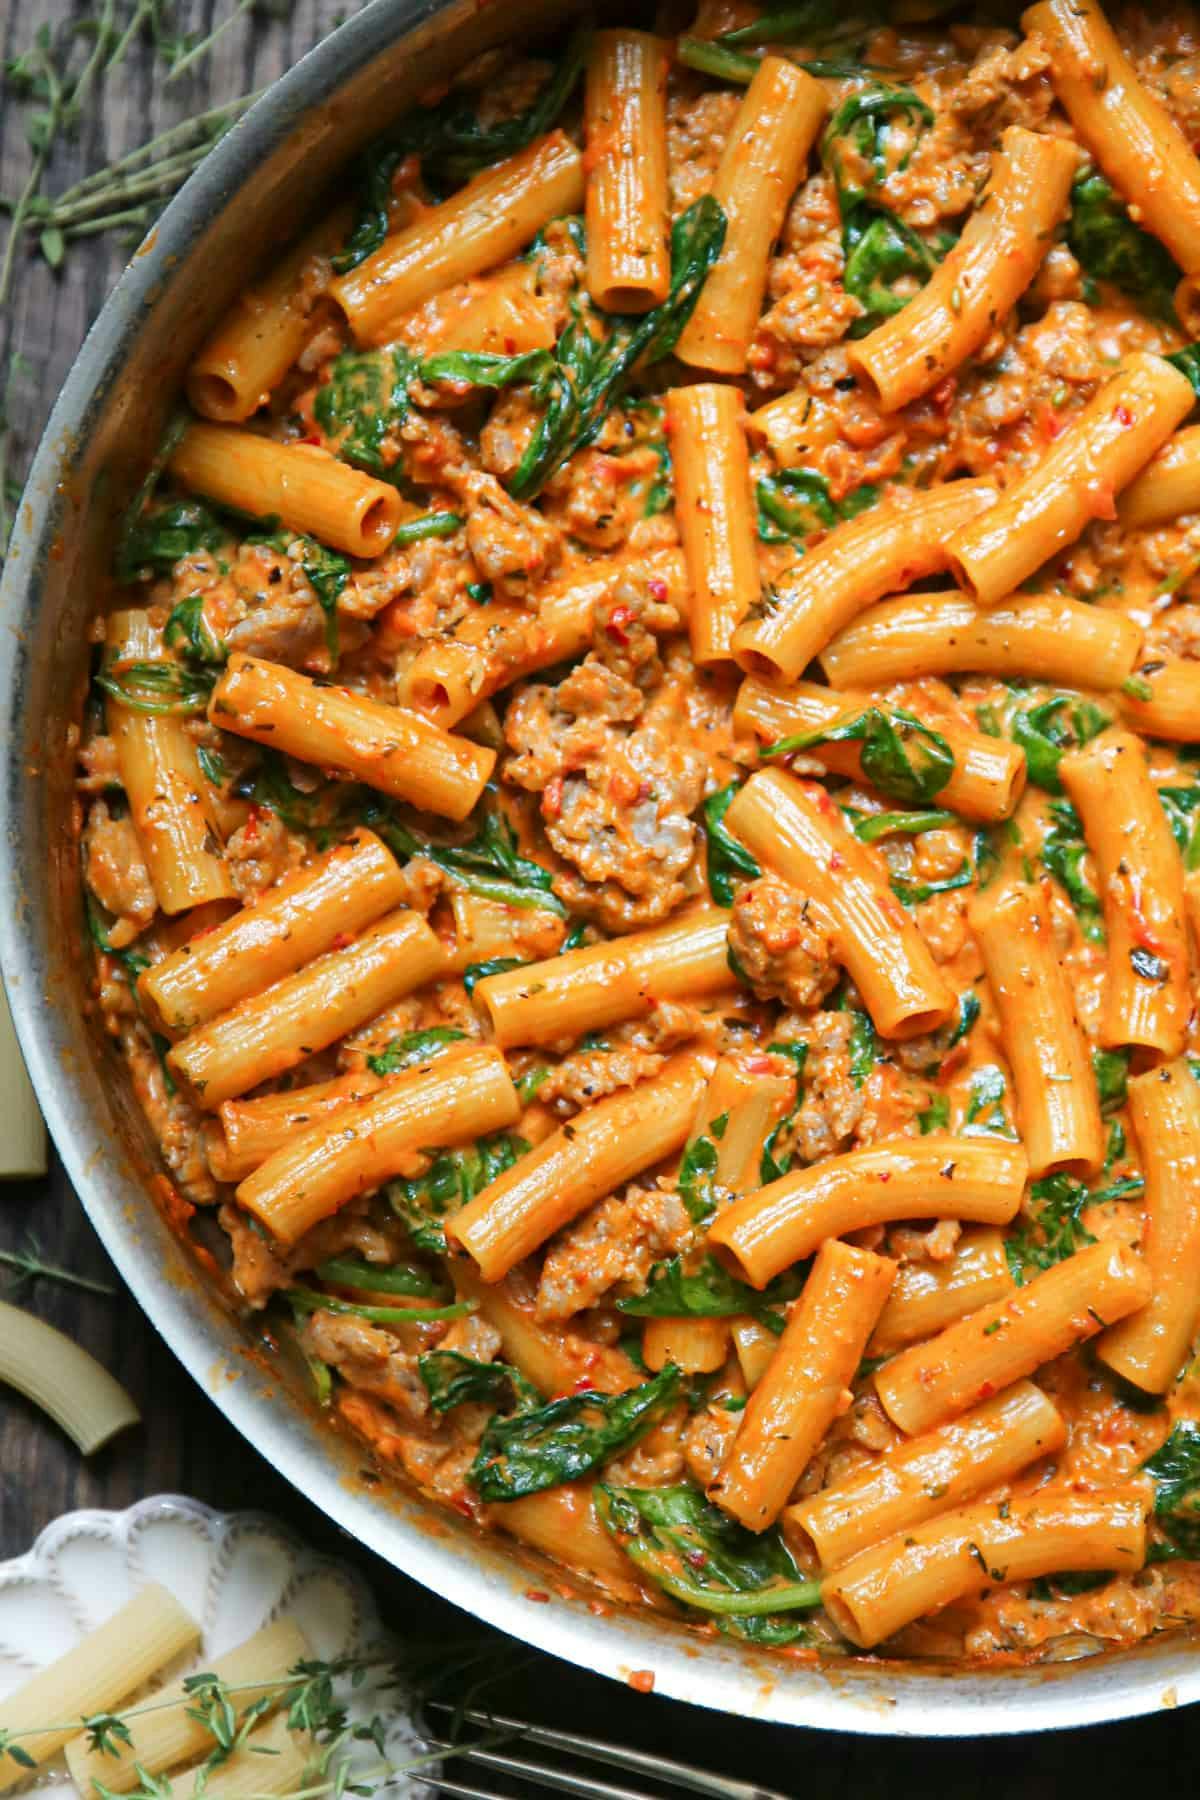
{"x": 341, "y": 940}
{"x": 986, "y": 1390}
{"x": 618, "y": 619}
{"x": 585, "y": 1385}
{"x": 642, "y": 1681}
{"x": 510, "y": 346}
{"x": 1051, "y": 424}
{"x": 836, "y": 861}
{"x": 539, "y": 1595}
{"x": 552, "y": 798}
{"x": 1123, "y": 416}
{"x": 656, "y": 587}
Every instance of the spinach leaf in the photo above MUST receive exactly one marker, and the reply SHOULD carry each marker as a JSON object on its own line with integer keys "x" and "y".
{"x": 590, "y": 374}
{"x": 1063, "y": 852}
{"x": 915, "y": 893}
{"x": 427, "y": 525}
{"x": 796, "y": 502}
{"x": 497, "y": 965}
{"x": 567, "y": 1438}
{"x": 1054, "y": 1228}
{"x": 1182, "y": 807}
{"x": 1175, "y": 1468}
{"x": 451, "y": 1379}
{"x": 188, "y": 631}
{"x": 870, "y": 827}
{"x": 862, "y": 121}
{"x": 698, "y": 1180}
{"x": 364, "y": 401}
{"x": 968, "y": 1012}
{"x": 865, "y": 1048}
{"x": 158, "y": 689}
{"x": 490, "y": 864}
{"x": 900, "y": 756}
{"x": 1044, "y": 735}
{"x": 1187, "y": 361}
{"x": 880, "y": 252}
{"x": 807, "y": 23}
{"x": 421, "y": 1202}
{"x": 705, "y": 1291}
{"x": 327, "y": 572}
{"x": 452, "y": 145}
{"x": 151, "y": 543}
{"x": 726, "y": 858}
{"x": 936, "y": 1116}
{"x": 747, "y": 1582}
{"x": 1111, "y": 1069}
{"x": 479, "y": 368}
{"x": 379, "y": 1278}
{"x": 707, "y": 57}
{"x": 771, "y": 1166}
{"x": 1110, "y": 247}
{"x": 308, "y": 1300}
{"x": 413, "y": 1048}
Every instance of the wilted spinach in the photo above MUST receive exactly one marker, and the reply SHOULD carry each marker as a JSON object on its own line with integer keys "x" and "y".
{"x": 796, "y": 502}
{"x": 413, "y": 1048}
{"x": 1110, "y": 247}
{"x": 421, "y": 1202}
{"x": 452, "y": 1379}
{"x": 900, "y": 756}
{"x": 726, "y": 859}
{"x": 567, "y": 1438}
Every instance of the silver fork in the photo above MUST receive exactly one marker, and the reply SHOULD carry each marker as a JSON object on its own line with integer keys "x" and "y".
{"x": 564, "y": 1781}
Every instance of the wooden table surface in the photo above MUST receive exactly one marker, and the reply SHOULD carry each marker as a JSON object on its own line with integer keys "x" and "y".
{"x": 185, "y": 1445}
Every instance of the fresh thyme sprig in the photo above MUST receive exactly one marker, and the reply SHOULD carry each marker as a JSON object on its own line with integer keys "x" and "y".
{"x": 29, "y": 1264}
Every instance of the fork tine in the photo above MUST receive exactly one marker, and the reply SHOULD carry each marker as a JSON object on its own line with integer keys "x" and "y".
{"x": 619, "y": 1756}
{"x": 559, "y": 1781}
{"x": 453, "y": 1787}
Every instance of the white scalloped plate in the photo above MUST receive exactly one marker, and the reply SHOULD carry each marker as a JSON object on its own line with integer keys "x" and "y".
{"x": 234, "y": 1572}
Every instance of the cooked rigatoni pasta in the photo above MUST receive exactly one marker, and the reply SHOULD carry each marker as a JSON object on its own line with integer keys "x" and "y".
{"x": 1151, "y": 1348}
{"x": 484, "y": 224}
{"x": 983, "y": 277}
{"x": 672, "y": 1014}
{"x": 796, "y": 830}
{"x": 933, "y": 1177}
{"x": 301, "y": 484}
{"x": 989, "y": 1544}
{"x": 900, "y": 541}
{"x": 625, "y": 118}
{"x": 1012, "y": 1337}
{"x": 1077, "y": 480}
{"x": 918, "y": 1478}
{"x": 393, "y": 750}
{"x": 762, "y": 162}
{"x": 986, "y": 782}
{"x": 1057, "y": 1099}
{"x": 806, "y": 1384}
{"x": 1146, "y": 1000}
{"x": 608, "y": 1145}
{"x": 1129, "y": 132}
{"x": 1039, "y": 637}
{"x": 714, "y": 506}
{"x": 164, "y": 785}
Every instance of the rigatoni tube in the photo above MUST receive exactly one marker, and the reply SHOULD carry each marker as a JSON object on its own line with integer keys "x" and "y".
{"x": 918, "y": 1478}
{"x": 1163, "y": 700}
{"x": 1077, "y": 480}
{"x": 934, "y": 1177}
{"x": 761, "y": 166}
{"x": 715, "y": 512}
{"x": 1152, "y": 1347}
{"x": 252, "y": 1130}
{"x": 1058, "y": 1103}
{"x": 806, "y": 1385}
{"x": 1127, "y": 129}
{"x": 796, "y": 830}
{"x": 163, "y": 782}
{"x": 603, "y": 984}
{"x": 1146, "y": 996}
{"x": 294, "y": 921}
{"x": 266, "y": 1034}
{"x": 1040, "y": 636}
{"x": 625, "y": 123}
{"x": 928, "y": 1296}
{"x": 994, "y": 261}
{"x": 481, "y": 226}
{"x": 1012, "y": 1337}
{"x": 301, "y": 485}
{"x": 986, "y": 782}
{"x": 598, "y": 1151}
{"x": 397, "y": 752}
{"x": 986, "y": 1545}
{"x": 1166, "y": 487}
{"x": 460, "y": 1098}
{"x": 900, "y": 540}
{"x": 236, "y": 370}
